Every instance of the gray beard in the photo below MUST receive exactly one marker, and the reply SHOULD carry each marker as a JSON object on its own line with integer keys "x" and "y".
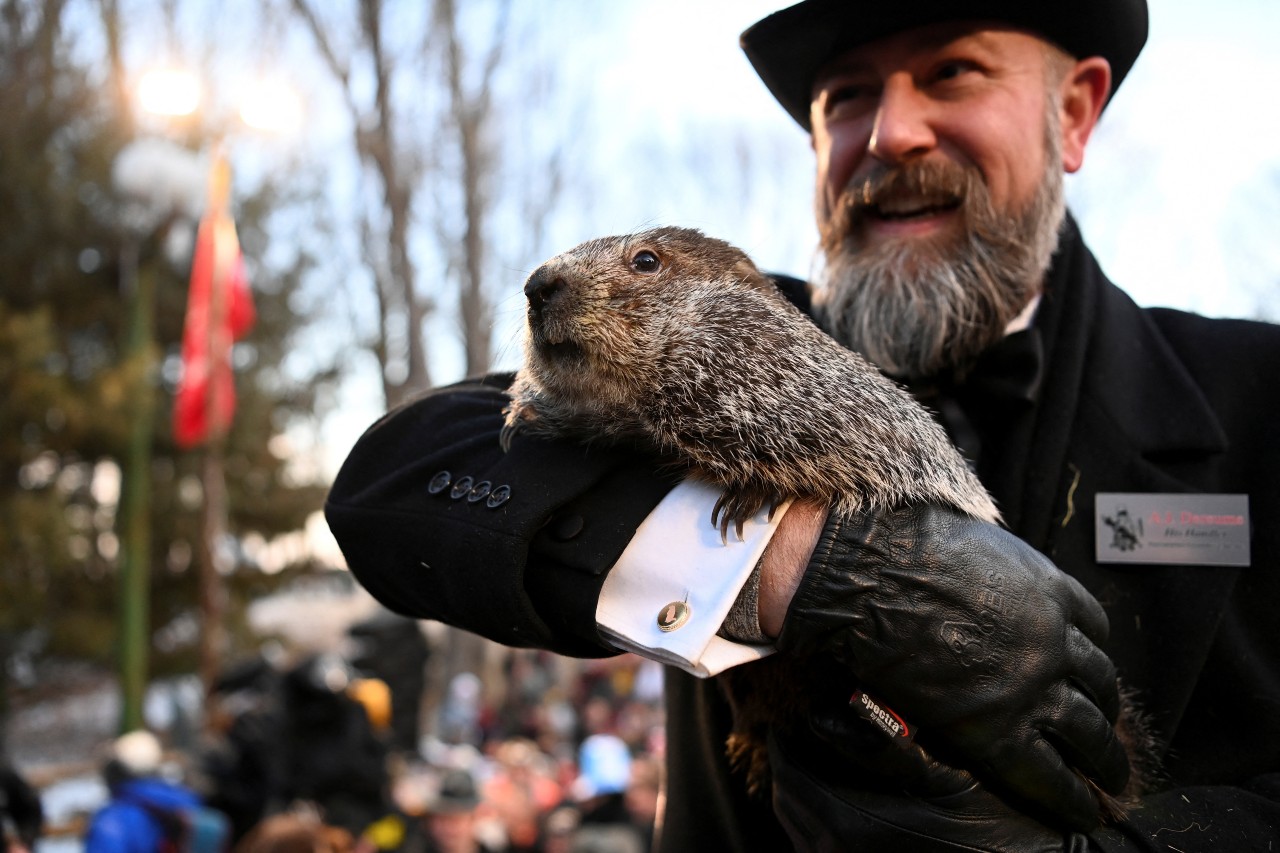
{"x": 918, "y": 306}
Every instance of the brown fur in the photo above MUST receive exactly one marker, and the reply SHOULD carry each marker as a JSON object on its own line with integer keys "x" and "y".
{"x": 677, "y": 341}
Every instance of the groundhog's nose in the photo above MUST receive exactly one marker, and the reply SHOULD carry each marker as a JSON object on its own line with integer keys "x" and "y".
{"x": 542, "y": 287}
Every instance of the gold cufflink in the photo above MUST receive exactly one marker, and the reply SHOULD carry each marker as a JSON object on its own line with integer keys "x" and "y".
{"x": 673, "y": 616}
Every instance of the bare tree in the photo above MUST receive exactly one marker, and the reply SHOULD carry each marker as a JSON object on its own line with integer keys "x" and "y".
{"x": 385, "y": 247}
{"x": 469, "y": 110}
{"x": 427, "y": 110}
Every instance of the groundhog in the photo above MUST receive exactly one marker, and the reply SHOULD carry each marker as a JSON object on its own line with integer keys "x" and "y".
{"x": 676, "y": 341}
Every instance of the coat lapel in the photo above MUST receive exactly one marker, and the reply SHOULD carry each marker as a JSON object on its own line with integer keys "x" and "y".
{"x": 1120, "y": 413}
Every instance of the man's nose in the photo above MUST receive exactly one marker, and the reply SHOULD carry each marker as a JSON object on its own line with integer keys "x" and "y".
{"x": 902, "y": 129}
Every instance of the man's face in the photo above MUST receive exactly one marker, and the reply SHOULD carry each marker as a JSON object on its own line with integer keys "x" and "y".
{"x": 938, "y": 191}
{"x": 453, "y": 832}
{"x": 953, "y": 93}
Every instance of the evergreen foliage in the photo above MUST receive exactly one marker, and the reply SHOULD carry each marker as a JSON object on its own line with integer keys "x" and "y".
{"x": 70, "y": 391}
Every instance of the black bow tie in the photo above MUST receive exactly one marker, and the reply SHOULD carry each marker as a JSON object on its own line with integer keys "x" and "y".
{"x": 1004, "y": 381}
{"x": 1008, "y": 372}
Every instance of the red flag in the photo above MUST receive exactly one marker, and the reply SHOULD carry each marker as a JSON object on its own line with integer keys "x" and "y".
{"x": 219, "y": 312}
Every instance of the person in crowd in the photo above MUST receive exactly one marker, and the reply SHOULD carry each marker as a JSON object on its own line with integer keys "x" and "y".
{"x": 333, "y": 756}
{"x": 310, "y": 733}
{"x": 941, "y": 134}
{"x": 521, "y": 791}
{"x": 142, "y": 813}
{"x": 21, "y": 812}
{"x": 244, "y": 761}
{"x": 559, "y": 829}
{"x": 644, "y": 791}
{"x": 451, "y": 822}
{"x": 461, "y": 710}
{"x": 295, "y": 832}
{"x": 600, "y": 791}
{"x": 393, "y": 650}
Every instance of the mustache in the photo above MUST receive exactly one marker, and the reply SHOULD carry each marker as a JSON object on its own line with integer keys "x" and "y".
{"x": 889, "y": 189}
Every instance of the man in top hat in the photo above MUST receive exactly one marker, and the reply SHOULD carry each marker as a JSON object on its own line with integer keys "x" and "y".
{"x": 941, "y": 132}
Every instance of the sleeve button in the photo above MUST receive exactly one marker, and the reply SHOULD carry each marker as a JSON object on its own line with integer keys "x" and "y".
{"x": 461, "y": 487}
{"x": 567, "y": 527}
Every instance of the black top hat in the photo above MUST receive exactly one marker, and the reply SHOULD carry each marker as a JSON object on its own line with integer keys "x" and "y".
{"x": 789, "y": 47}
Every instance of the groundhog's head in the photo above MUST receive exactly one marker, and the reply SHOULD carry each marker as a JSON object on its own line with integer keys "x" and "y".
{"x": 617, "y": 323}
{"x": 611, "y": 306}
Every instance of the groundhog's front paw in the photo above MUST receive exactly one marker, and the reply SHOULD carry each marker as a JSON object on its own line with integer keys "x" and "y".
{"x": 737, "y": 505}
{"x": 517, "y": 414}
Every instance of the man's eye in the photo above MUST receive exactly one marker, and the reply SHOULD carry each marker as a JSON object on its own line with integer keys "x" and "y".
{"x": 645, "y": 261}
{"x": 845, "y": 98}
{"x": 837, "y": 95}
{"x": 952, "y": 69}
{"x": 844, "y": 93}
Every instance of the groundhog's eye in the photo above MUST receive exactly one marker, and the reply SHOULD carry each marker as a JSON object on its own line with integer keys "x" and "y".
{"x": 645, "y": 261}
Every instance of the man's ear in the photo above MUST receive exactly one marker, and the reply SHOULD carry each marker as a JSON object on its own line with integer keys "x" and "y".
{"x": 1084, "y": 93}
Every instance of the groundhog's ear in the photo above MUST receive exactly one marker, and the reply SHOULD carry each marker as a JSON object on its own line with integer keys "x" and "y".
{"x": 745, "y": 270}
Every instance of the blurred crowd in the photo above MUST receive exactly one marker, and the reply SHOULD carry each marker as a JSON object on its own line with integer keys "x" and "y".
{"x": 329, "y": 753}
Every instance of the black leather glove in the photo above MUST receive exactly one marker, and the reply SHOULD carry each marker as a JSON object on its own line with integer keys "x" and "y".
{"x": 845, "y": 786}
{"x": 979, "y": 641}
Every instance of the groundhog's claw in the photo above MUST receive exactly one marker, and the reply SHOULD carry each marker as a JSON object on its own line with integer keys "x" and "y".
{"x": 515, "y": 414}
{"x": 737, "y": 505}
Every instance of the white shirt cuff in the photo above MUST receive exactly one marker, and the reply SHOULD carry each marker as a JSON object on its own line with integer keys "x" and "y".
{"x": 677, "y": 574}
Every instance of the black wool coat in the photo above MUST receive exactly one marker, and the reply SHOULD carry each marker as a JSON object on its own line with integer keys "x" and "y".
{"x": 438, "y": 523}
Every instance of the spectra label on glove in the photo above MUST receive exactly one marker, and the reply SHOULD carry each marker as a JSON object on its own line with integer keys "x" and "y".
{"x": 888, "y": 722}
{"x": 1174, "y": 529}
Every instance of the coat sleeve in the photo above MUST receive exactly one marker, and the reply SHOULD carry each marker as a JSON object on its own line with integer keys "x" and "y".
{"x": 437, "y": 522}
{"x": 1199, "y": 817}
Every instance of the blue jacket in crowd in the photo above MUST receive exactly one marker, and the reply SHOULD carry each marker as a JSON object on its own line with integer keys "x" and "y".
{"x": 125, "y": 825}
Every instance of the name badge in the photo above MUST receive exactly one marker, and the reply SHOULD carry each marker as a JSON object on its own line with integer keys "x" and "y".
{"x": 1175, "y": 529}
